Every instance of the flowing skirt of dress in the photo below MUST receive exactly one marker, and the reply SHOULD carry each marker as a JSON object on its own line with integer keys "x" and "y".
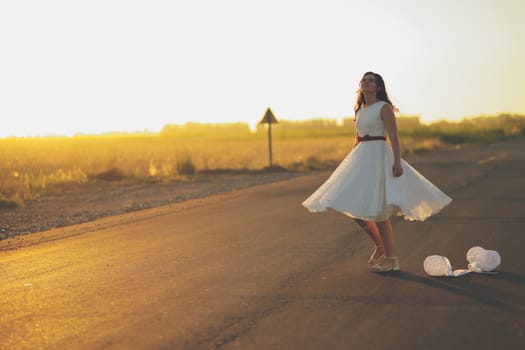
{"x": 363, "y": 187}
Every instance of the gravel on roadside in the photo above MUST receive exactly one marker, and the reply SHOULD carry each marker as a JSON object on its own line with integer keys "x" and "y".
{"x": 100, "y": 199}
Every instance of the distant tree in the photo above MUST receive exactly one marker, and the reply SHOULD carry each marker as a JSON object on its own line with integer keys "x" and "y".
{"x": 192, "y": 130}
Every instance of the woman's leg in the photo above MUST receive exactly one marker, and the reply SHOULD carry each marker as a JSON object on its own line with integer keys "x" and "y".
{"x": 390, "y": 261}
{"x": 387, "y": 237}
{"x": 372, "y": 231}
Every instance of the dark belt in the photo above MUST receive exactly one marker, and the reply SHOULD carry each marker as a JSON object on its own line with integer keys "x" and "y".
{"x": 370, "y": 138}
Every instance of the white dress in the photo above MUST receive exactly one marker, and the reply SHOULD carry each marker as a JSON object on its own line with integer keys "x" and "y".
{"x": 363, "y": 186}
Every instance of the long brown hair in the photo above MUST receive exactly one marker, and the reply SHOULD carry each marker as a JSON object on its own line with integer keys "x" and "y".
{"x": 381, "y": 93}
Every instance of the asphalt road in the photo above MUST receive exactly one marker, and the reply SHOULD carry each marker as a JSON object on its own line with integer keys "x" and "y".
{"x": 253, "y": 269}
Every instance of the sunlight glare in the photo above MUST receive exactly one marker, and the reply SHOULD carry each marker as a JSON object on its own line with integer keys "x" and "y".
{"x": 220, "y": 66}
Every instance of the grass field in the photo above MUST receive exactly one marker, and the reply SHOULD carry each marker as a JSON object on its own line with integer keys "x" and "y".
{"x": 32, "y": 166}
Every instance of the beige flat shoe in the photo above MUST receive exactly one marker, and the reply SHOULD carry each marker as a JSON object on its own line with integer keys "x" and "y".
{"x": 389, "y": 263}
{"x": 374, "y": 261}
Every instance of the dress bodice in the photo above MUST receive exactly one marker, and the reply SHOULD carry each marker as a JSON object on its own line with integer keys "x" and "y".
{"x": 369, "y": 120}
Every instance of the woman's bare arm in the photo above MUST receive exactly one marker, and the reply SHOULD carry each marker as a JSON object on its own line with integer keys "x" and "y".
{"x": 356, "y": 134}
{"x": 355, "y": 140}
{"x": 387, "y": 114}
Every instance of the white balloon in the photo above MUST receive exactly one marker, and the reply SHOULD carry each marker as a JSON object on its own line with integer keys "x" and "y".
{"x": 437, "y": 265}
{"x": 483, "y": 260}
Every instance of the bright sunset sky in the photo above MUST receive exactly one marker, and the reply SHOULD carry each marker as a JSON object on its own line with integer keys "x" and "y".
{"x": 96, "y": 66}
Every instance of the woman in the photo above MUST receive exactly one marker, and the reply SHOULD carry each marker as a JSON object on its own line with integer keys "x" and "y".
{"x": 373, "y": 182}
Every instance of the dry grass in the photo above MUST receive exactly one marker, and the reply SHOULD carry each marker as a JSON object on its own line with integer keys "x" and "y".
{"x": 32, "y": 166}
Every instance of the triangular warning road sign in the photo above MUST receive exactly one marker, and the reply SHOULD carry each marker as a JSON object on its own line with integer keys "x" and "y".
{"x": 269, "y": 117}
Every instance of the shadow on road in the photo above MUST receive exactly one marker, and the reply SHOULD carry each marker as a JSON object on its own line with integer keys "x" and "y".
{"x": 468, "y": 286}
{"x": 511, "y": 277}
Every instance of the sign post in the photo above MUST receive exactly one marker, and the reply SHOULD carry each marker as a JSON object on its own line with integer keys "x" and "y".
{"x": 270, "y": 119}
